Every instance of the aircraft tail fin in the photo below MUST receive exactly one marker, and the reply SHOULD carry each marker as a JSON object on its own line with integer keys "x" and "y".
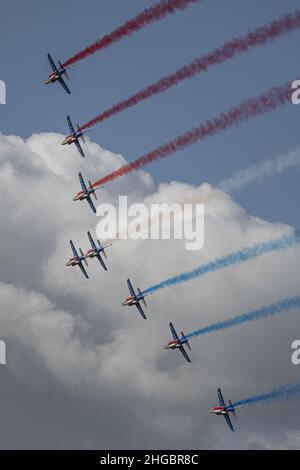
{"x": 105, "y": 246}
{"x": 143, "y": 299}
{"x": 82, "y": 138}
{"x": 82, "y": 254}
{"x": 99, "y": 243}
{"x": 232, "y": 410}
{"x": 94, "y": 193}
{"x": 66, "y": 75}
{"x": 187, "y": 343}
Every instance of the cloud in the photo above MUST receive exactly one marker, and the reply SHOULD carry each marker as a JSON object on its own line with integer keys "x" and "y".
{"x": 70, "y": 335}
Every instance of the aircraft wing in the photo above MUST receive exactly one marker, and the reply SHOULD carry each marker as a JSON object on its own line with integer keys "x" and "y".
{"x": 228, "y": 421}
{"x": 53, "y": 66}
{"x": 138, "y": 306}
{"x": 82, "y": 182}
{"x": 79, "y": 148}
{"x": 74, "y": 249}
{"x": 184, "y": 353}
{"x": 83, "y": 270}
{"x": 173, "y": 331}
{"x": 70, "y": 125}
{"x": 221, "y": 399}
{"x": 131, "y": 289}
{"x": 63, "y": 84}
{"x": 101, "y": 262}
{"x": 89, "y": 200}
{"x": 93, "y": 245}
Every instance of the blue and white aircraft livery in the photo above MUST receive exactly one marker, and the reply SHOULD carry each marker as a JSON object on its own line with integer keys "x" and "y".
{"x": 178, "y": 343}
{"x": 225, "y": 410}
{"x": 78, "y": 259}
{"x": 135, "y": 299}
{"x": 86, "y": 192}
{"x": 57, "y": 74}
{"x": 96, "y": 251}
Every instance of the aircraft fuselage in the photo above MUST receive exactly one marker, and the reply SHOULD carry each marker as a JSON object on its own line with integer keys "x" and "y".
{"x": 71, "y": 138}
{"x": 174, "y": 344}
{"x": 130, "y": 301}
{"x": 53, "y": 77}
{"x": 80, "y": 196}
{"x": 73, "y": 262}
{"x": 219, "y": 410}
{"x": 91, "y": 253}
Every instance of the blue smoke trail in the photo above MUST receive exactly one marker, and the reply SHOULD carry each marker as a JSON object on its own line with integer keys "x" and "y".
{"x": 263, "y": 312}
{"x": 245, "y": 254}
{"x": 280, "y": 393}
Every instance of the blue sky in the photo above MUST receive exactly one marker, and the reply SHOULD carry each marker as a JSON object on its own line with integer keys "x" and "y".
{"x": 64, "y": 27}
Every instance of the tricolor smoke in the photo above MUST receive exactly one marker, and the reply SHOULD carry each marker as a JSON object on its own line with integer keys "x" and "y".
{"x": 150, "y": 15}
{"x": 280, "y": 393}
{"x": 248, "y": 109}
{"x": 245, "y": 254}
{"x": 230, "y": 49}
{"x": 263, "y": 312}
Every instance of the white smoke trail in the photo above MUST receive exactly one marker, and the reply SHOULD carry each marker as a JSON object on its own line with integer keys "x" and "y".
{"x": 257, "y": 174}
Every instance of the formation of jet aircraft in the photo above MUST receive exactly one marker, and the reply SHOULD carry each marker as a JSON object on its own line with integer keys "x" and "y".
{"x": 97, "y": 250}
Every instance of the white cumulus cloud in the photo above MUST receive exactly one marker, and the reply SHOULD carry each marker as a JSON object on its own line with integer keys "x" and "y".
{"x": 65, "y": 331}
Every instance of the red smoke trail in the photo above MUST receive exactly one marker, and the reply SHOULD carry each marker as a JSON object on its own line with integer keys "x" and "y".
{"x": 248, "y": 109}
{"x": 154, "y": 13}
{"x": 237, "y": 46}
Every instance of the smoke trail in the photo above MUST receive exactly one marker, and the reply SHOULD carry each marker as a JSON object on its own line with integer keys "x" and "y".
{"x": 248, "y": 109}
{"x": 230, "y": 49}
{"x": 263, "y": 312}
{"x": 147, "y": 16}
{"x": 258, "y": 173}
{"x": 245, "y": 254}
{"x": 280, "y": 393}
